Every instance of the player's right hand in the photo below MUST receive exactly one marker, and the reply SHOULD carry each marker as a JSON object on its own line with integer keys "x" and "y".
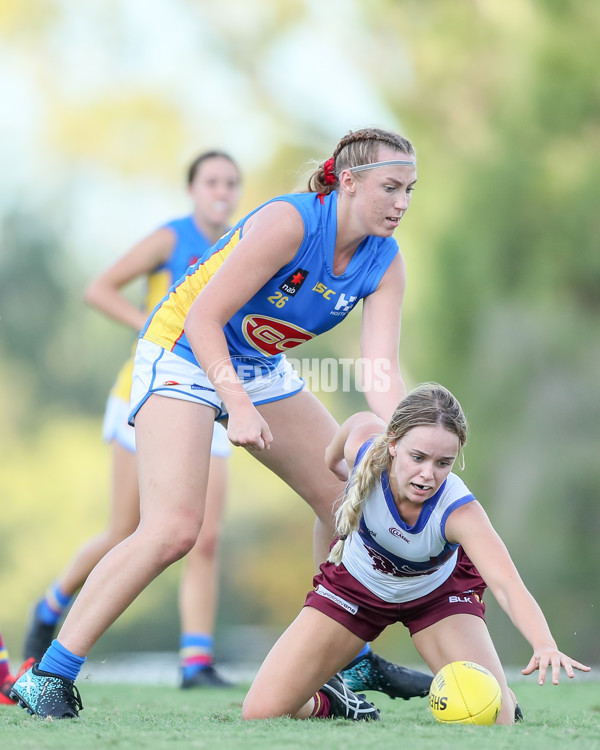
{"x": 247, "y": 428}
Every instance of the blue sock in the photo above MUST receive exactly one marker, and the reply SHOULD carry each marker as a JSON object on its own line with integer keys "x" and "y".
{"x": 195, "y": 652}
{"x": 59, "y": 660}
{"x": 54, "y": 603}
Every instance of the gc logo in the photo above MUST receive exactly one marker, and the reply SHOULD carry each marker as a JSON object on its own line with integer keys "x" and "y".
{"x": 272, "y": 336}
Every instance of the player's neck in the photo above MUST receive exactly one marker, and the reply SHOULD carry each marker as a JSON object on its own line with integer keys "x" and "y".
{"x": 211, "y": 231}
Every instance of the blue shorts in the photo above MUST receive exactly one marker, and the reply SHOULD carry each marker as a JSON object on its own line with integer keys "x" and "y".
{"x": 157, "y": 370}
{"x": 116, "y": 427}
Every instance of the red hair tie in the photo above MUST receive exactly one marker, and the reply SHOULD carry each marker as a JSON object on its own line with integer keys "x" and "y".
{"x": 328, "y": 172}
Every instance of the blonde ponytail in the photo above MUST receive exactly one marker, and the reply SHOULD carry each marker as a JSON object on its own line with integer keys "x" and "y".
{"x": 365, "y": 475}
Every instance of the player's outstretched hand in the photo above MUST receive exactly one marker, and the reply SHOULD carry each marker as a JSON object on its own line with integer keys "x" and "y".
{"x": 543, "y": 659}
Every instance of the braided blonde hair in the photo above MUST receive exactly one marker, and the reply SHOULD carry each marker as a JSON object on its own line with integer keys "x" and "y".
{"x": 427, "y": 404}
{"x": 356, "y": 148}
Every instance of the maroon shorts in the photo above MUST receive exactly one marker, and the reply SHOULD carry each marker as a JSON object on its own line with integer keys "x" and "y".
{"x": 348, "y": 602}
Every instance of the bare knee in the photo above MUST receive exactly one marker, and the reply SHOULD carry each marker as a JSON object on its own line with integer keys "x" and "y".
{"x": 176, "y": 548}
{"x": 207, "y": 545}
{"x": 171, "y": 543}
{"x": 264, "y": 703}
{"x": 249, "y": 710}
{"x": 256, "y": 708}
{"x": 115, "y": 535}
{"x": 509, "y": 705}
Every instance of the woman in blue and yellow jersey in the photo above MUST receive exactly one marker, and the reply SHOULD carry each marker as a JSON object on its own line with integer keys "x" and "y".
{"x": 161, "y": 258}
{"x": 214, "y": 348}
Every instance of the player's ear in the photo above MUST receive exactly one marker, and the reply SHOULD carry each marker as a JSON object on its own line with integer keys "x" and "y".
{"x": 392, "y": 449}
{"x": 347, "y": 182}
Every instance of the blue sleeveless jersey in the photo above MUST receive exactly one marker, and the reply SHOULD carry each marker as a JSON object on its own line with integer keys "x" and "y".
{"x": 190, "y": 244}
{"x": 303, "y": 299}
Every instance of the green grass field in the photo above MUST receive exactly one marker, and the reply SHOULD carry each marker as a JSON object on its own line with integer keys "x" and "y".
{"x": 156, "y": 718}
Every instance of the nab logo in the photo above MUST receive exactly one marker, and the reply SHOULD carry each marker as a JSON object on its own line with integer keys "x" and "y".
{"x": 272, "y": 336}
{"x": 294, "y": 282}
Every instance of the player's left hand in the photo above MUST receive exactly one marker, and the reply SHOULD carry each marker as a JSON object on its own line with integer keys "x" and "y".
{"x": 545, "y": 658}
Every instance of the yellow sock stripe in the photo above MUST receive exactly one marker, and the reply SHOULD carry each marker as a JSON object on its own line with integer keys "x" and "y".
{"x": 188, "y": 651}
{"x": 317, "y": 706}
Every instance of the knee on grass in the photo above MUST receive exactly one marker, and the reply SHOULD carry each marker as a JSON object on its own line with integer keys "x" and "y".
{"x": 265, "y": 708}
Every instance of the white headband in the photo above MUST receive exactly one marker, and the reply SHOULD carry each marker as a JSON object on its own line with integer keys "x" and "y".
{"x": 392, "y": 163}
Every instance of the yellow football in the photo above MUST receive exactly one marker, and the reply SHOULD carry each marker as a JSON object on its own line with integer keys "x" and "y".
{"x": 465, "y": 693}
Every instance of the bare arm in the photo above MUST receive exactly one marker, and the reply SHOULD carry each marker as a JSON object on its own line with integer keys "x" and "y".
{"x": 470, "y": 526}
{"x": 380, "y": 341}
{"x": 340, "y": 454}
{"x": 104, "y": 292}
{"x": 271, "y": 238}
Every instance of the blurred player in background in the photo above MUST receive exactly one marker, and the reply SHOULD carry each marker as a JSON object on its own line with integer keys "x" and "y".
{"x": 214, "y": 185}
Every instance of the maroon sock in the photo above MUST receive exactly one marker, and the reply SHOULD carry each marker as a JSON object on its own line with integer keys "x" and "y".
{"x": 322, "y": 706}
